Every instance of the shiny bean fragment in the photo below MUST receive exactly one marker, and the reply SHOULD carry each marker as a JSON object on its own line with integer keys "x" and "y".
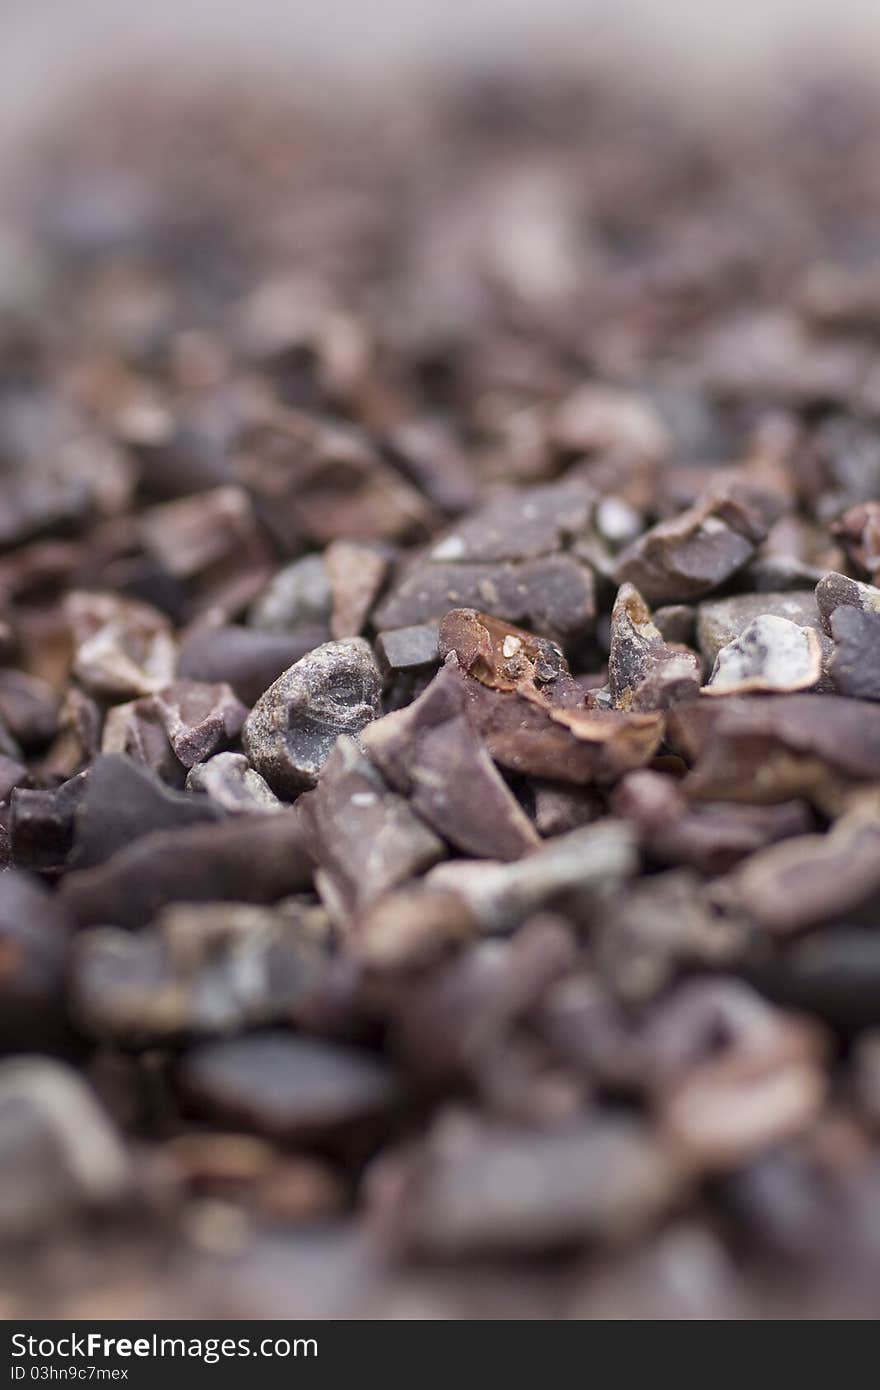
{"x": 291, "y": 730}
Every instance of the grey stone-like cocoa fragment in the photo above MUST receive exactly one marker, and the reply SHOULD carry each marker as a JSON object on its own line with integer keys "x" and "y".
{"x": 200, "y": 970}
{"x": 8, "y": 746}
{"x": 766, "y": 356}
{"x": 721, "y": 621}
{"x": 199, "y": 719}
{"x": 291, "y": 730}
{"x": 291, "y": 1088}
{"x": 685, "y": 1274}
{"x": 297, "y": 598}
{"x": 258, "y": 859}
{"x": 855, "y": 666}
{"x": 866, "y": 1066}
{"x": 473, "y": 1189}
{"x": 771, "y": 654}
{"x": 365, "y": 838}
{"x": 701, "y": 548}
{"x": 59, "y": 1153}
{"x": 356, "y": 572}
{"x": 248, "y": 658}
{"x": 37, "y": 499}
{"x": 232, "y": 784}
{"x": 408, "y": 648}
{"x": 585, "y": 867}
{"x": 839, "y": 591}
{"x": 430, "y": 752}
{"x": 35, "y": 934}
{"x": 644, "y": 673}
{"x": 122, "y": 648}
{"x": 121, "y": 801}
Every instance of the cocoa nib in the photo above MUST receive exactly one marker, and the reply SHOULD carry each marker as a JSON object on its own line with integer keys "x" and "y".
{"x": 290, "y": 1087}
{"x": 292, "y": 728}
{"x": 855, "y": 666}
{"x": 508, "y": 559}
{"x": 859, "y": 531}
{"x": 811, "y": 878}
{"x": 498, "y": 654}
{"x": 699, "y": 550}
{"x": 364, "y": 838}
{"x": 248, "y": 859}
{"x": 838, "y": 591}
{"x": 710, "y": 836}
{"x": 553, "y": 594}
{"x": 767, "y": 748}
{"x": 525, "y": 733}
{"x": 431, "y": 753}
{"x": 770, "y": 654}
{"x": 232, "y": 785}
{"x": 249, "y": 659}
{"x": 531, "y": 712}
{"x": 35, "y": 936}
{"x": 476, "y": 1189}
{"x": 644, "y": 672}
{"x": 201, "y": 970}
{"x": 121, "y": 648}
{"x": 120, "y": 802}
{"x": 60, "y": 1155}
{"x": 408, "y": 648}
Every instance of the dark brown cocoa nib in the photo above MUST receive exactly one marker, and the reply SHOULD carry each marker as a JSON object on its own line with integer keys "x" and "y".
{"x": 432, "y": 753}
{"x": 255, "y": 859}
{"x": 440, "y": 708}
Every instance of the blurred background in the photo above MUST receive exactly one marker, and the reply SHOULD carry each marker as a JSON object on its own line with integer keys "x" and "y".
{"x": 698, "y": 48}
